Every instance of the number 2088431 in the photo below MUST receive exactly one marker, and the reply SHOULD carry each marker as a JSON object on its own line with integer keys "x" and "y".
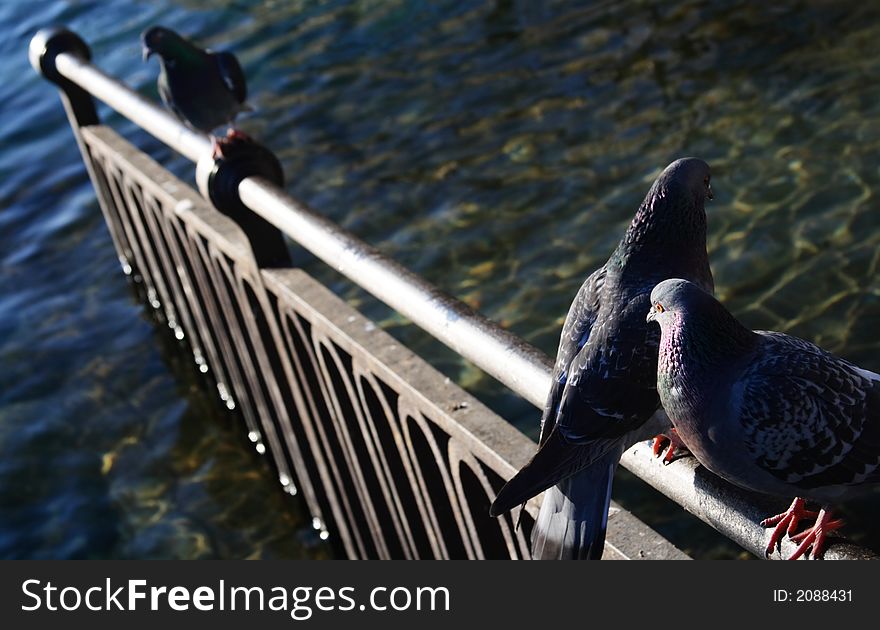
{"x": 813, "y": 595}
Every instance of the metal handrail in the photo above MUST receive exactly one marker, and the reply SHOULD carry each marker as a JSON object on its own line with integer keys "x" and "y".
{"x": 512, "y": 361}
{"x": 191, "y": 144}
{"x": 500, "y": 353}
{"x": 515, "y": 363}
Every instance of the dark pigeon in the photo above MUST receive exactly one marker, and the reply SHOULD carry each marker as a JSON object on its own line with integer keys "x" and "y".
{"x": 766, "y": 411}
{"x": 604, "y": 380}
{"x": 204, "y": 89}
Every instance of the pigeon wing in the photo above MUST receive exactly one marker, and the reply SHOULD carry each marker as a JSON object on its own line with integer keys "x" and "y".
{"x": 811, "y": 419}
{"x": 232, "y": 75}
{"x": 605, "y": 398}
{"x": 575, "y": 332}
{"x": 613, "y": 383}
{"x": 168, "y": 98}
{"x": 556, "y": 459}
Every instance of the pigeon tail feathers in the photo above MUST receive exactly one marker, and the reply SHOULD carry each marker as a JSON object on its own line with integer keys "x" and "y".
{"x": 555, "y": 460}
{"x": 574, "y": 514}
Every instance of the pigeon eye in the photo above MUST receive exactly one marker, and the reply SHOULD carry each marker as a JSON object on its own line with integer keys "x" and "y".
{"x": 706, "y": 180}
{"x": 659, "y": 307}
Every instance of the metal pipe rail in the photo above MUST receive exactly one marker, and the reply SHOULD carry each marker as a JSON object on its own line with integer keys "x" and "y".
{"x": 505, "y": 356}
{"x": 515, "y": 363}
{"x": 191, "y": 144}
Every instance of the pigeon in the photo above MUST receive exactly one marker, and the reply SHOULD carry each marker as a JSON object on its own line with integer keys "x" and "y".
{"x": 767, "y": 411}
{"x": 604, "y": 380}
{"x": 204, "y": 89}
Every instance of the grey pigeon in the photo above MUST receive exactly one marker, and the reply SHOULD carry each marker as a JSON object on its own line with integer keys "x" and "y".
{"x": 204, "y": 89}
{"x": 604, "y": 380}
{"x": 766, "y": 411}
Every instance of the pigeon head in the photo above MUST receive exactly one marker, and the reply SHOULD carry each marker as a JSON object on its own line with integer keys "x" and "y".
{"x": 677, "y": 299}
{"x": 163, "y": 42}
{"x": 693, "y": 323}
{"x": 669, "y": 228}
{"x": 688, "y": 176}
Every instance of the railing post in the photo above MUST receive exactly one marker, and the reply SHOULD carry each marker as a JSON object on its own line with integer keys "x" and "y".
{"x": 218, "y": 180}
{"x": 79, "y": 105}
{"x": 45, "y": 46}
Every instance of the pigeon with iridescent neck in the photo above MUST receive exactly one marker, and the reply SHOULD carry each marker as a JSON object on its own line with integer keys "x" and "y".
{"x": 767, "y": 411}
{"x": 604, "y": 381}
{"x": 204, "y": 89}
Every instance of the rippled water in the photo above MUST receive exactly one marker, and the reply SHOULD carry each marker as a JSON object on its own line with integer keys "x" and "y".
{"x": 498, "y": 148}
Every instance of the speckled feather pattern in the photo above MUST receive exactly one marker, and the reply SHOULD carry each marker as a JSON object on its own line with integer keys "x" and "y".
{"x": 810, "y": 418}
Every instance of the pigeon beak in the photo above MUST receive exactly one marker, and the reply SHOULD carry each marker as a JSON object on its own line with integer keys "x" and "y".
{"x": 709, "y": 193}
{"x": 147, "y": 52}
{"x": 651, "y": 315}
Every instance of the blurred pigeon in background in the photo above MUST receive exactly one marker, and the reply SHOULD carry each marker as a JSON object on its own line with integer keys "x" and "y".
{"x": 766, "y": 411}
{"x": 604, "y": 380}
{"x": 203, "y": 89}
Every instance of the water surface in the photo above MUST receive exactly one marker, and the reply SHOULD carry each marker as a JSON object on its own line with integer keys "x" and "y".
{"x": 497, "y": 148}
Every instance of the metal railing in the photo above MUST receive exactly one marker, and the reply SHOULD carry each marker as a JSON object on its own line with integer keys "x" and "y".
{"x": 400, "y": 461}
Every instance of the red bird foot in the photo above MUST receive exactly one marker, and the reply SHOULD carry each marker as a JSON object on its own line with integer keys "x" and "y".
{"x": 788, "y": 521}
{"x": 815, "y": 536}
{"x": 676, "y": 445}
{"x": 232, "y": 138}
{"x": 235, "y": 135}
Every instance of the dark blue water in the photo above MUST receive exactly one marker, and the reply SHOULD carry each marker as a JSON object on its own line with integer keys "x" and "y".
{"x": 498, "y": 148}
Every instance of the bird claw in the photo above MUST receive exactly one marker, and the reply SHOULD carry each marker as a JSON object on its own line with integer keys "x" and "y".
{"x": 675, "y": 445}
{"x": 815, "y": 536}
{"x": 787, "y": 523}
{"x": 233, "y": 135}
{"x": 233, "y": 138}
